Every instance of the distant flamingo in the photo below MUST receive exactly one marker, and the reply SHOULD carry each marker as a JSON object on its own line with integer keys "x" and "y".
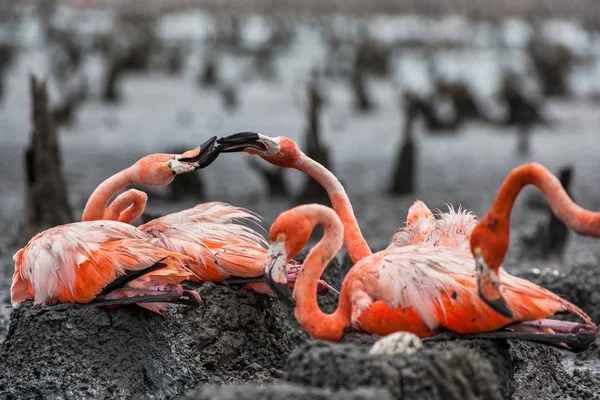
{"x": 211, "y": 235}
{"x": 110, "y": 262}
{"x": 490, "y": 238}
{"x": 421, "y": 289}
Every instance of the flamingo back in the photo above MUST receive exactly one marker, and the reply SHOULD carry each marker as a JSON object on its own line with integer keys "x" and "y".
{"x": 451, "y": 229}
{"x": 213, "y": 234}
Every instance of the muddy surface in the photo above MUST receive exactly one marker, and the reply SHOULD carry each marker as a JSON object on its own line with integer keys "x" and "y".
{"x": 87, "y": 352}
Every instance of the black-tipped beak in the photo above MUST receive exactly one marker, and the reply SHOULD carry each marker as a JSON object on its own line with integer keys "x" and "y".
{"x": 488, "y": 286}
{"x": 208, "y": 153}
{"x": 499, "y": 305}
{"x": 276, "y": 273}
{"x": 240, "y": 141}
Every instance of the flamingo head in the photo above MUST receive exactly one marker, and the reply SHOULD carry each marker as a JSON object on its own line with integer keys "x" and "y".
{"x": 280, "y": 150}
{"x": 161, "y": 169}
{"x": 489, "y": 244}
{"x": 288, "y": 236}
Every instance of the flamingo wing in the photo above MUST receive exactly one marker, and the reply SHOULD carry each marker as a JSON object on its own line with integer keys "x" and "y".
{"x": 74, "y": 262}
{"x": 213, "y": 234}
{"x": 430, "y": 288}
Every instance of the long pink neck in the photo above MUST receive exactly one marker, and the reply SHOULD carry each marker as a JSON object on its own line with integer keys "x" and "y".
{"x": 580, "y": 220}
{"x": 353, "y": 238}
{"x": 98, "y": 201}
{"x": 308, "y": 313}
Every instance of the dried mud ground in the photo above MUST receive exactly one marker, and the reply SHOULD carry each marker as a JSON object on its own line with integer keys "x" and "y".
{"x": 239, "y": 343}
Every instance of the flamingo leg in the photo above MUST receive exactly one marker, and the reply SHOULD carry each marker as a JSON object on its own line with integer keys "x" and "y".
{"x": 577, "y": 338}
{"x": 322, "y": 286}
{"x": 124, "y": 279}
{"x": 172, "y": 294}
{"x": 187, "y": 297}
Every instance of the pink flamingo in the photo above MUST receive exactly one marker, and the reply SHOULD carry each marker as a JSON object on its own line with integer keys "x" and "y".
{"x": 421, "y": 289}
{"x": 211, "y": 235}
{"x": 109, "y": 260}
{"x": 490, "y": 238}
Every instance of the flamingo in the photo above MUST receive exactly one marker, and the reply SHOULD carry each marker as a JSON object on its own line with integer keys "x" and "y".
{"x": 424, "y": 290}
{"x": 216, "y": 244}
{"x": 490, "y": 239}
{"x": 109, "y": 260}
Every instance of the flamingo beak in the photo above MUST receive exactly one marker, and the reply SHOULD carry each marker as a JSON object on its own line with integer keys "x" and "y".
{"x": 203, "y": 155}
{"x": 276, "y": 272}
{"x": 242, "y": 141}
{"x": 488, "y": 286}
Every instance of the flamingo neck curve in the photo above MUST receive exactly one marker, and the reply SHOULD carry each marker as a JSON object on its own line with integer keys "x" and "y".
{"x": 356, "y": 244}
{"x": 98, "y": 201}
{"x": 580, "y": 220}
{"x": 308, "y": 313}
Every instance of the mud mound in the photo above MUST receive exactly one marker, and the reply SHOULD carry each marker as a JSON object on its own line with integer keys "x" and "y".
{"x": 84, "y": 352}
{"x": 528, "y": 370}
{"x": 580, "y": 287}
{"x": 431, "y": 374}
{"x": 284, "y": 392}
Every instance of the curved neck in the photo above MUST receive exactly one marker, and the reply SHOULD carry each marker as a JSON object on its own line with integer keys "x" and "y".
{"x": 308, "y": 313}
{"x": 98, "y": 201}
{"x": 353, "y": 238}
{"x": 573, "y": 216}
{"x": 127, "y": 207}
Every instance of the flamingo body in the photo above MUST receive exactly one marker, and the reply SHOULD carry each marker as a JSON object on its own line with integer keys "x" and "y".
{"x": 425, "y": 289}
{"x": 74, "y": 262}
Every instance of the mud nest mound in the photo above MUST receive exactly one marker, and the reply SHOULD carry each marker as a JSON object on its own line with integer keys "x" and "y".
{"x": 459, "y": 369}
{"x": 87, "y": 352}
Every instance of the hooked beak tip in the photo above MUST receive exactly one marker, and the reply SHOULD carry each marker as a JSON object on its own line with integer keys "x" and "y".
{"x": 207, "y": 154}
{"x": 499, "y": 305}
{"x": 488, "y": 284}
{"x": 240, "y": 142}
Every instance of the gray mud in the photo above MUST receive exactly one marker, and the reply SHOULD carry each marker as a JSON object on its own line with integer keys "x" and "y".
{"x": 84, "y": 351}
{"x": 284, "y": 391}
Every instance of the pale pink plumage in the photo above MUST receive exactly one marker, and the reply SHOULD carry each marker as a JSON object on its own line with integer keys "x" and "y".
{"x": 73, "y": 262}
{"x": 451, "y": 229}
{"x": 213, "y": 235}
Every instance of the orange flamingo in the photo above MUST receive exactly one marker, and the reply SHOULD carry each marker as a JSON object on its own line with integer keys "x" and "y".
{"x": 421, "y": 289}
{"x": 490, "y": 238}
{"x": 212, "y": 235}
{"x": 106, "y": 261}
{"x": 112, "y": 261}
